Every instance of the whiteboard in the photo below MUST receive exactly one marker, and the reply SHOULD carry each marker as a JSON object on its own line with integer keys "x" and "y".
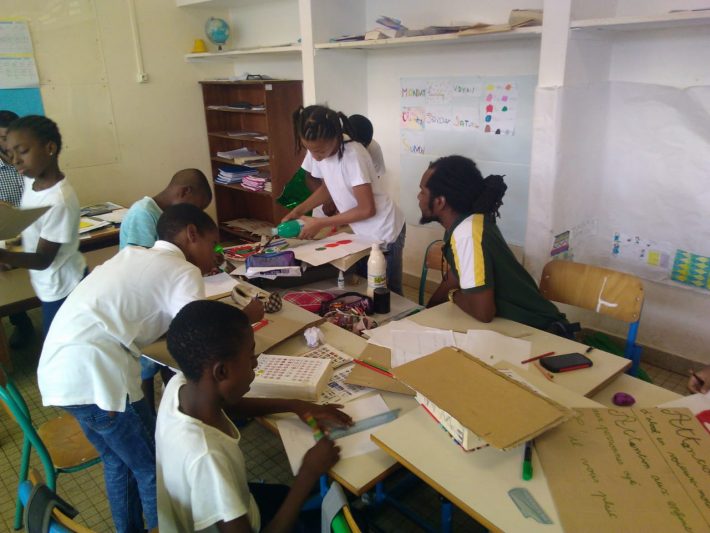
{"x": 486, "y": 118}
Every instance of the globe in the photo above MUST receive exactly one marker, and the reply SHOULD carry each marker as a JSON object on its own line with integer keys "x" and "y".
{"x": 217, "y": 31}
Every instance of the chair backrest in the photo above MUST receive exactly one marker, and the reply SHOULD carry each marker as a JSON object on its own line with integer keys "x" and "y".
{"x": 598, "y": 289}
{"x": 60, "y": 522}
{"x": 433, "y": 258}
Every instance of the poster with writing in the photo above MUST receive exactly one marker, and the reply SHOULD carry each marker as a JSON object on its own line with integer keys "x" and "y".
{"x": 631, "y": 470}
{"x": 17, "y": 63}
{"x": 485, "y": 118}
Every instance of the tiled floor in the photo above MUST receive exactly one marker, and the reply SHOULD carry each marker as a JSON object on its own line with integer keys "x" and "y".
{"x": 263, "y": 451}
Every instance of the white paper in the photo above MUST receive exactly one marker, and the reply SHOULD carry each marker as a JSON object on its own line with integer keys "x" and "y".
{"x": 115, "y": 217}
{"x": 382, "y": 336}
{"x": 337, "y": 391}
{"x": 218, "y": 284}
{"x": 297, "y": 437}
{"x": 87, "y": 224}
{"x": 492, "y": 347}
{"x": 699, "y": 405}
{"x": 411, "y": 345}
{"x": 331, "y": 248}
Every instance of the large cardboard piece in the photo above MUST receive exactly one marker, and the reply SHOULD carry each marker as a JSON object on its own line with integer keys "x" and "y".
{"x": 332, "y": 248}
{"x": 365, "y": 377}
{"x": 14, "y": 221}
{"x": 500, "y": 410}
{"x": 631, "y": 470}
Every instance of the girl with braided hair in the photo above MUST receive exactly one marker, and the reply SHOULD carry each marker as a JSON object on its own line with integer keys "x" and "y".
{"x": 484, "y": 278}
{"x": 349, "y": 179}
{"x": 51, "y": 243}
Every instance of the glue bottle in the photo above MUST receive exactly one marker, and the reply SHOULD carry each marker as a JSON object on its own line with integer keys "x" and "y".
{"x": 341, "y": 279}
{"x": 376, "y": 270}
{"x": 289, "y": 229}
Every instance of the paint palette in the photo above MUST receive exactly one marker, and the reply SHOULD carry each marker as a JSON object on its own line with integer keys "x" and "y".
{"x": 326, "y": 351}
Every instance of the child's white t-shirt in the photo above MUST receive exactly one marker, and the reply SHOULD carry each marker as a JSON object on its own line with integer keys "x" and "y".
{"x": 201, "y": 480}
{"x": 59, "y": 224}
{"x": 341, "y": 175}
{"x": 378, "y": 160}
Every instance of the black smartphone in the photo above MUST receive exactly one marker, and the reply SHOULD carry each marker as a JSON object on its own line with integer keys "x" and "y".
{"x": 565, "y": 362}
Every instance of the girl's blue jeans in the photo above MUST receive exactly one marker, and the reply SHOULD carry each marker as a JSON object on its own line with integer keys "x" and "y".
{"x": 127, "y": 450}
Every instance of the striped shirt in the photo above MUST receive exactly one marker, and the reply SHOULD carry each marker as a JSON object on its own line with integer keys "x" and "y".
{"x": 11, "y": 184}
{"x": 480, "y": 259}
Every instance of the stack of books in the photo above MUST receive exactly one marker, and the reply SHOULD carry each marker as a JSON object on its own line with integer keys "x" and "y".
{"x": 256, "y": 183}
{"x": 230, "y": 174}
{"x": 244, "y": 156}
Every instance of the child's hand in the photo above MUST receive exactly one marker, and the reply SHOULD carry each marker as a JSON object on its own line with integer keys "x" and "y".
{"x": 311, "y": 227}
{"x": 254, "y": 311}
{"x": 292, "y": 215}
{"x": 319, "y": 459}
{"x": 328, "y": 415}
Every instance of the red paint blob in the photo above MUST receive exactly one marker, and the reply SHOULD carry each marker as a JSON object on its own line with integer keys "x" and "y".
{"x": 345, "y": 241}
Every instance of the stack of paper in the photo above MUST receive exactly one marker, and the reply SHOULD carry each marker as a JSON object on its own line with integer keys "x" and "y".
{"x": 229, "y": 174}
{"x": 87, "y": 224}
{"x": 283, "y": 376}
{"x": 256, "y": 183}
{"x": 244, "y": 156}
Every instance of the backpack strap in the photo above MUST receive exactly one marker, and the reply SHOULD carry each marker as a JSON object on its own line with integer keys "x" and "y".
{"x": 38, "y": 510}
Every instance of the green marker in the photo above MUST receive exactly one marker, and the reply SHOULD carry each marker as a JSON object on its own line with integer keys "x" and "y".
{"x": 527, "y": 461}
{"x": 218, "y": 249}
{"x": 317, "y": 433}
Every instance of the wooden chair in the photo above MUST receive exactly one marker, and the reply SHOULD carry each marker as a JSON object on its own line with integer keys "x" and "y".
{"x": 60, "y": 443}
{"x": 60, "y": 523}
{"x": 433, "y": 259}
{"x": 598, "y": 289}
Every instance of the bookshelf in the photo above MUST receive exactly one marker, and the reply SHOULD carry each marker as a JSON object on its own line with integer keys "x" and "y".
{"x": 280, "y": 98}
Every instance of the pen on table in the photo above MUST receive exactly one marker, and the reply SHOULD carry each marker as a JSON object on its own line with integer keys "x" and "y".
{"x": 374, "y": 368}
{"x": 527, "y": 461}
{"x": 545, "y": 373}
{"x": 537, "y": 357}
{"x": 700, "y": 380}
{"x": 317, "y": 433}
{"x": 588, "y": 349}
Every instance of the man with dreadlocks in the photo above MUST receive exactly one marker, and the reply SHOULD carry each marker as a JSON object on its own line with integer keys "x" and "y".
{"x": 485, "y": 280}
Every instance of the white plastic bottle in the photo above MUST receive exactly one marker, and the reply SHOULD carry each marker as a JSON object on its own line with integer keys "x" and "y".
{"x": 376, "y": 270}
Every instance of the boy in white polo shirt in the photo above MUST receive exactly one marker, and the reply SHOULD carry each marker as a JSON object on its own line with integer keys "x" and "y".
{"x": 89, "y": 363}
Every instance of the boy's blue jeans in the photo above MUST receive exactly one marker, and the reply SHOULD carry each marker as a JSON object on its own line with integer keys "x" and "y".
{"x": 128, "y": 454}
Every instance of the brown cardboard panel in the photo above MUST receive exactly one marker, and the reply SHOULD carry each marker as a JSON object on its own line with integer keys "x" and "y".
{"x": 631, "y": 470}
{"x": 14, "y": 221}
{"x": 500, "y": 410}
{"x": 368, "y": 378}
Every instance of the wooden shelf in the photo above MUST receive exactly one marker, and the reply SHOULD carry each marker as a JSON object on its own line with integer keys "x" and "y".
{"x": 223, "y": 135}
{"x": 229, "y": 55}
{"x": 652, "y": 22}
{"x": 237, "y": 187}
{"x": 532, "y": 32}
{"x": 248, "y": 111}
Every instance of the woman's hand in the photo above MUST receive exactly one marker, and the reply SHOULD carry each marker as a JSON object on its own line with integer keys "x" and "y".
{"x": 311, "y": 227}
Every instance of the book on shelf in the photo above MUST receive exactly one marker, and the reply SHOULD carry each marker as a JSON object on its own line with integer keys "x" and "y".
{"x": 249, "y": 135}
{"x": 285, "y": 376}
{"x": 99, "y": 209}
{"x": 238, "y": 106}
{"x": 244, "y": 156}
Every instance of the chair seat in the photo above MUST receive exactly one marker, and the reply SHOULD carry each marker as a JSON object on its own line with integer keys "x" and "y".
{"x": 66, "y": 443}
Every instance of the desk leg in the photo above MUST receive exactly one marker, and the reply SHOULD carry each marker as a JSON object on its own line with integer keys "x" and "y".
{"x": 4, "y": 349}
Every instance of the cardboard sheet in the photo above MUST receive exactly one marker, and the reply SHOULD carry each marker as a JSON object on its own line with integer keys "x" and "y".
{"x": 369, "y": 378}
{"x": 13, "y": 221}
{"x": 500, "y": 410}
{"x": 631, "y": 470}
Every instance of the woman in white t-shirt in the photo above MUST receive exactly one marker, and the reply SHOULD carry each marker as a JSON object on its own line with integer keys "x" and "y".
{"x": 349, "y": 179}
{"x": 51, "y": 243}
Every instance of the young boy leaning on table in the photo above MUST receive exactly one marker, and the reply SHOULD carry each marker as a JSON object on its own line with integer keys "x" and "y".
{"x": 139, "y": 227}
{"x": 202, "y": 482}
{"x": 89, "y": 363}
{"x": 485, "y": 279}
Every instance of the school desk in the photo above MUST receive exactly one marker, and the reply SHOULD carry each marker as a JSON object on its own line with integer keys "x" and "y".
{"x": 16, "y": 294}
{"x": 585, "y": 382}
{"x": 478, "y": 482}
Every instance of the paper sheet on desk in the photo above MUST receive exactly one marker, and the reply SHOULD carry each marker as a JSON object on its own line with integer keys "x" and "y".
{"x": 411, "y": 345}
{"x": 382, "y": 336}
{"x": 699, "y": 405}
{"x": 297, "y": 437}
{"x": 491, "y": 347}
{"x": 218, "y": 284}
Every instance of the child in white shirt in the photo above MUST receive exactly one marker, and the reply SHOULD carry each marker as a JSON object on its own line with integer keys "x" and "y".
{"x": 349, "y": 179}
{"x": 202, "y": 482}
{"x": 51, "y": 243}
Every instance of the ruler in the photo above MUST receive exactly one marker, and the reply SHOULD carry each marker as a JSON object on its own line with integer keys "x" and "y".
{"x": 364, "y": 424}
{"x": 528, "y": 505}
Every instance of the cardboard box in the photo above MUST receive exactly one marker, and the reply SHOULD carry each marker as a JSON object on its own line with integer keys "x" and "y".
{"x": 501, "y": 411}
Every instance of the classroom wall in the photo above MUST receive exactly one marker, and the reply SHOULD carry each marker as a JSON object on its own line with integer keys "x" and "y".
{"x": 158, "y": 126}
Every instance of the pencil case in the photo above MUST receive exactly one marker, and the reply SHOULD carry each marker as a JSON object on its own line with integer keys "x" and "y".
{"x": 274, "y": 260}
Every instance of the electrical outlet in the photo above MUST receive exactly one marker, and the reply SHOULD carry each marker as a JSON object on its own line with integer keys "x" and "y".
{"x": 142, "y": 77}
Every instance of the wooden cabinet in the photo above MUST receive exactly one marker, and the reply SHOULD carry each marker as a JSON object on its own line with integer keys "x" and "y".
{"x": 279, "y": 99}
